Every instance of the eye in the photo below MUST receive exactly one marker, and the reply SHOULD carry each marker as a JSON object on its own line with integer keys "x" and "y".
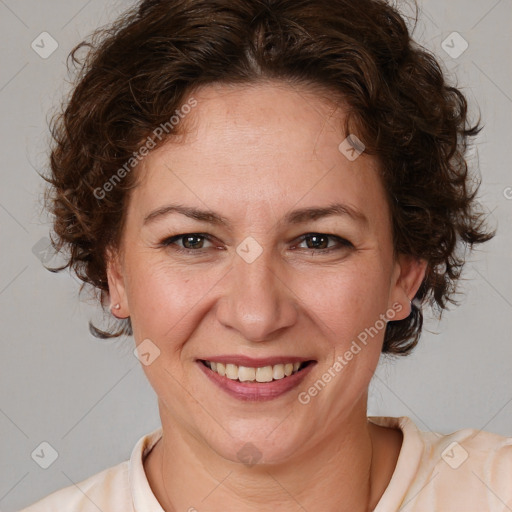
{"x": 319, "y": 242}
{"x": 192, "y": 242}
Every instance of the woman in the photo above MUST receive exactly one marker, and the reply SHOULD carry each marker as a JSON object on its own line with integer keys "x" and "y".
{"x": 266, "y": 193}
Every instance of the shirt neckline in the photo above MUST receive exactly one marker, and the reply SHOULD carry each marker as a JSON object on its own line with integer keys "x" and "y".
{"x": 142, "y": 495}
{"x": 406, "y": 468}
{"x": 407, "y": 464}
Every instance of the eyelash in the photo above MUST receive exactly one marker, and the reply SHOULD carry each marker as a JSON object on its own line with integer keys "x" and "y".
{"x": 170, "y": 241}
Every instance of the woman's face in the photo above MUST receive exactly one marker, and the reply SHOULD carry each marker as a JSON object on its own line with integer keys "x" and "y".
{"x": 251, "y": 290}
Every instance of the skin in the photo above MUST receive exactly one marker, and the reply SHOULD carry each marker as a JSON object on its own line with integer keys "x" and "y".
{"x": 253, "y": 154}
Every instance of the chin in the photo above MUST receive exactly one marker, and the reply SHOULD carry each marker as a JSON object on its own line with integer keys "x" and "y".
{"x": 265, "y": 441}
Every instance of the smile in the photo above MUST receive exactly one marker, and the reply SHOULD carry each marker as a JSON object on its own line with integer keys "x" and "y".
{"x": 256, "y": 379}
{"x": 258, "y": 374}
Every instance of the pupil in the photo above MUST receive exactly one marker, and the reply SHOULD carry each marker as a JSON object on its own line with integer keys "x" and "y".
{"x": 316, "y": 238}
{"x": 189, "y": 238}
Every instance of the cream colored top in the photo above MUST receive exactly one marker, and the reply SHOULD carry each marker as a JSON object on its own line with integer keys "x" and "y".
{"x": 465, "y": 471}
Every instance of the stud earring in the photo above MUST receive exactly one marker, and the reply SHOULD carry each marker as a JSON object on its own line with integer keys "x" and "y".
{"x": 117, "y": 306}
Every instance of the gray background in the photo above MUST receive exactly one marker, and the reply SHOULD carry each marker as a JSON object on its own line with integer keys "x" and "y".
{"x": 90, "y": 400}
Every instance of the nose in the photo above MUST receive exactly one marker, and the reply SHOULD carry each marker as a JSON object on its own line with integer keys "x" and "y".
{"x": 257, "y": 302}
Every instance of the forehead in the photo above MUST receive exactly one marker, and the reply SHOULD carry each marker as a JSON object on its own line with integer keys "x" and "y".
{"x": 270, "y": 116}
{"x": 261, "y": 144}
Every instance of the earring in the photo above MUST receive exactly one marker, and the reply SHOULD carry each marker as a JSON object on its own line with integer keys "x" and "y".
{"x": 117, "y": 306}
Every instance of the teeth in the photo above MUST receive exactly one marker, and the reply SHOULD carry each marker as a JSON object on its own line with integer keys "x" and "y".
{"x": 264, "y": 374}
{"x": 248, "y": 374}
{"x": 278, "y": 371}
{"x": 232, "y": 371}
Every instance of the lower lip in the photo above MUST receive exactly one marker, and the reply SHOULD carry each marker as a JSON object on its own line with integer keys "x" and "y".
{"x": 256, "y": 391}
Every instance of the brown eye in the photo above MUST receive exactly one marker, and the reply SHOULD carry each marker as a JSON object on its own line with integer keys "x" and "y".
{"x": 319, "y": 242}
{"x": 193, "y": 241}
{"x": 190, "y": 242}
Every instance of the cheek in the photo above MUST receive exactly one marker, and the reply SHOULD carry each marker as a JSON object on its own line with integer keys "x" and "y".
{"x": 166, "y": 300}
{"x": 346, "y": 300}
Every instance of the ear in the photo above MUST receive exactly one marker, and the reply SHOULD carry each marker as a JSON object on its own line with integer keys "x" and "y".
{"x": 408, "y": 274}
{"x": 116, "y": 285}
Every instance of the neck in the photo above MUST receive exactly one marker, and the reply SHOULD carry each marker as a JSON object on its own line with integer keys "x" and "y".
{"x": 338, "y": 475}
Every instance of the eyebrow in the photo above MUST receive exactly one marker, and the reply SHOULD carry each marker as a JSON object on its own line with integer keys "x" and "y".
{"x": 295, "y": 217}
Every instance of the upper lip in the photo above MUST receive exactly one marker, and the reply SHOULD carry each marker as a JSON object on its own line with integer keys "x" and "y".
{"x": 253, "y": 362}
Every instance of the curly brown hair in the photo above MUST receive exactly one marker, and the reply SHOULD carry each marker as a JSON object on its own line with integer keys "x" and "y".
{"x": 137, "y": 72}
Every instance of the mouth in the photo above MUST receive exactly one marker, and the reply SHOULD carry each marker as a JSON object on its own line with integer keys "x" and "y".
{"x": 266, "y": 373}
{"x": 256, "y": 380}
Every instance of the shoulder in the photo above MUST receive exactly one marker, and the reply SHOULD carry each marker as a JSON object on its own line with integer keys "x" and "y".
{"x": 106, "y": 490}
{"x": 468, "y": 469}
{"x": 470, "y": 450}
{"x": 476, "y": 460}
{"x": 122, "y": 487}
